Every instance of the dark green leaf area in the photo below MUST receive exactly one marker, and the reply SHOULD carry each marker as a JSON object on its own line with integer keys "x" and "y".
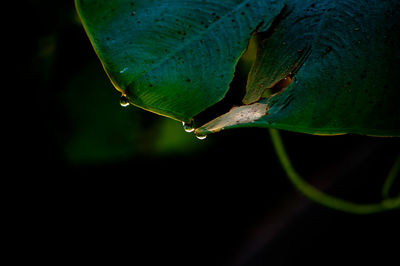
{"x": 348, "y": 83}
{"x": 319, "y": 67}
{"x": 175, "y": 58}
{"x": 341, "y": 57}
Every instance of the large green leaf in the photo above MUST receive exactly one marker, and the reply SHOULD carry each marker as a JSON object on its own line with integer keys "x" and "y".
{"x": 343, "y": 57}
{"x": 172, "y": 57}
{"x": 178, "y": 57}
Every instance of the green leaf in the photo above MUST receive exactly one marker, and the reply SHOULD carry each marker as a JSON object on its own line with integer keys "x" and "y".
{"x": 175, "y": 58}
{"x": 320, "y": 67}
{"x": 342, "y": 58}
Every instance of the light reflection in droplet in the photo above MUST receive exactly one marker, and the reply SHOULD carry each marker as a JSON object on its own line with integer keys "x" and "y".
{"x": 124, "y": 102}
{"x": 188, "y": 127}
{"x": 201, "y": 137}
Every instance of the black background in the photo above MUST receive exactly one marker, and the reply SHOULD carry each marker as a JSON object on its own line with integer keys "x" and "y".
{"x": 221, "y": 201}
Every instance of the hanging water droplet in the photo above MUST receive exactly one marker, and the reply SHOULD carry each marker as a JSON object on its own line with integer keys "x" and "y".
{"x": 124, "y": 102}
{"x": 201, "y": 136}
{"x": 188, "y": 127}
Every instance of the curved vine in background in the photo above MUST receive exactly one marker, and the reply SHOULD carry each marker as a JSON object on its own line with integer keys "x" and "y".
{"x": 391, "y": 178}
{"x": 330, "y": 201}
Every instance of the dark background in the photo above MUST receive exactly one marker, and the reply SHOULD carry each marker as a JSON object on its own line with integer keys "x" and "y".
{"x": 109, "y": 184}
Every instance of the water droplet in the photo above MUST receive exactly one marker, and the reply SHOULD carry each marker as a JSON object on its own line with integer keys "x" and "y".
{"x": 188, "y": 127}
{"x": 201, "y": 136}
{"x": 124, "y": 102}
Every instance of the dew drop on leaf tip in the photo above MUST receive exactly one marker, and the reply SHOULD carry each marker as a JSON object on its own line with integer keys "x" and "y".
{"x": 124, "y": 102}
{"x": 188, "y": 127}
{"x": 201, "y": 137}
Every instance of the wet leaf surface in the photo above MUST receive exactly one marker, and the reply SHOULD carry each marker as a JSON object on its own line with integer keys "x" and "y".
{"x": 326, "y": 67}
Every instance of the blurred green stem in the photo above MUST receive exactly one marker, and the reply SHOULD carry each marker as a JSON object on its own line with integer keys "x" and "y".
{"x": 391, "y": 178}
{"x": 322, "y": 198}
